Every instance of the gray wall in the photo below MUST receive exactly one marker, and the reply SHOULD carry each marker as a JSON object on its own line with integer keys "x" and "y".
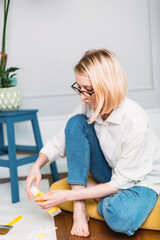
{"x": 47, "y": 38}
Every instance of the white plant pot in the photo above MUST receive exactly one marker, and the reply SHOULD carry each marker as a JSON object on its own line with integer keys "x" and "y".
{"x": 10, "y": 98}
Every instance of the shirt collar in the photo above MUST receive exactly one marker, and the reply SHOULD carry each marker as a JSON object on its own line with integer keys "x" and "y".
{"x": 115, "y": 117}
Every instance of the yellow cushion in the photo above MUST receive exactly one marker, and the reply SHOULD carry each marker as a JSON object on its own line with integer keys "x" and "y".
{"x": 152, "y": 222}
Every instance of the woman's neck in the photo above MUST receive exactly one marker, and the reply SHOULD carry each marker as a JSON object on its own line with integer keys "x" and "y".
{"x": 106, "y": 115}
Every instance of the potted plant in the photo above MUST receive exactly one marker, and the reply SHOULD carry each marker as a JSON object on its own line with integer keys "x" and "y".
{"x": 10, "y": 97}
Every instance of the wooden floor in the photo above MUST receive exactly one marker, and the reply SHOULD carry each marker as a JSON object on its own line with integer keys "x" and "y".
{"x": 98, "y": 229}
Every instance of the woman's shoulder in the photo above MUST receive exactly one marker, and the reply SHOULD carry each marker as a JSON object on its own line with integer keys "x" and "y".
{"x": 136, "y": 114}
{"x": 133, "y": 105}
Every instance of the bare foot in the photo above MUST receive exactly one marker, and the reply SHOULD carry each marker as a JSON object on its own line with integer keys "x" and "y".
{"x": 80, "y": 220}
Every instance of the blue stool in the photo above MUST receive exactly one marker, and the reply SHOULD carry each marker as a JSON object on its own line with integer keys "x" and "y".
{"x": 9, "y": 118}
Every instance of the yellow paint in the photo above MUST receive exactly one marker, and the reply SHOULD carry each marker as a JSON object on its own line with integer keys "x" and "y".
{"x": 41, "y": 235}
{"x": 14, "y": 220}
{"x": 37, "y": 193}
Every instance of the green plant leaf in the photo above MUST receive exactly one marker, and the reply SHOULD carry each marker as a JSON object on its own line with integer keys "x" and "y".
{"x": 6, "y": 80}
{"x": 11, "y": 69}
{"x": 12, "y": 75}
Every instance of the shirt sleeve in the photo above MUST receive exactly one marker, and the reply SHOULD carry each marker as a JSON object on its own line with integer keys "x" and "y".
{"x": 135, "y": 161}
{"x": 55, "y": 148}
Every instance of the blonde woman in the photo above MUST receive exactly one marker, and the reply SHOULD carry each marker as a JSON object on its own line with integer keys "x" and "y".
{"x": 109, "y": 136}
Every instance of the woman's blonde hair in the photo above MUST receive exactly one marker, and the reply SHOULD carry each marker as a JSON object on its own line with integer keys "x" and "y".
{"x": 107, "y": 77}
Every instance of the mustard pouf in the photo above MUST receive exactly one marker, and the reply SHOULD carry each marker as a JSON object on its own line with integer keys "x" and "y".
{"x": 152, "y": 222}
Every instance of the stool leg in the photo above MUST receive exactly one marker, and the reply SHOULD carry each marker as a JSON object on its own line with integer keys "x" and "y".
{"x": 54, "y": 172}
{"x": 12, "y": 161}
{"x": 39, "y": 144}
{"x": 2, "y": 152}
{"x": 37, "y": 133}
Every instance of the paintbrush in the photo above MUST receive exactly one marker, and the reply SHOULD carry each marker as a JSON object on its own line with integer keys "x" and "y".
{"x": 4, "y": 229}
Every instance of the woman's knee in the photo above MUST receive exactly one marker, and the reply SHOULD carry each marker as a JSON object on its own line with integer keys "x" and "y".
{"x": 75, "y": 122}
{"x": 127, "y": 210}
{"x": 117, "y": 218}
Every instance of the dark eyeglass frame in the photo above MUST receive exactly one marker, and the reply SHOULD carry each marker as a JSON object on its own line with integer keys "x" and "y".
{"x": 81, "y": 91}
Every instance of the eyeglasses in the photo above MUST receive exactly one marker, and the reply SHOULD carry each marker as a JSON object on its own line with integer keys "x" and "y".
{"x": 76, "y": 88}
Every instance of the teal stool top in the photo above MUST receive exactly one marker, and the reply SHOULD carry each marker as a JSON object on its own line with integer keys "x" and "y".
{"x": 9, "y": 118}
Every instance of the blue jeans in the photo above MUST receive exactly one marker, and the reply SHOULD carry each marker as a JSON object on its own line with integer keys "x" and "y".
{"x": 123, "y": 212}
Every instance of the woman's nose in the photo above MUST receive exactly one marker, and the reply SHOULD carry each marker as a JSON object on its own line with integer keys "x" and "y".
{"x": 83, "y": 97}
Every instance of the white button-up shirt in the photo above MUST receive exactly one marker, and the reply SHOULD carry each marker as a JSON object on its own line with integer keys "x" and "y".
{"x": 128, "y": 143}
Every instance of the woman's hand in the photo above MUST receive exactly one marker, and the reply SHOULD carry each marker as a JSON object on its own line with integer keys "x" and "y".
{"x": 35, "y": 174}
{"x": 53, "y": 198}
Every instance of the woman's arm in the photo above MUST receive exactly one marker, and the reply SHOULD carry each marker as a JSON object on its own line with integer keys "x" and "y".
{"x": 56, "y": 197}
{"x": 35, "y": 174}
{"x": 97, "y": 191}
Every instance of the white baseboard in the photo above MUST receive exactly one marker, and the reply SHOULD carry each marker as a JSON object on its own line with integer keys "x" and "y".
{"x": 49, "y": 127}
